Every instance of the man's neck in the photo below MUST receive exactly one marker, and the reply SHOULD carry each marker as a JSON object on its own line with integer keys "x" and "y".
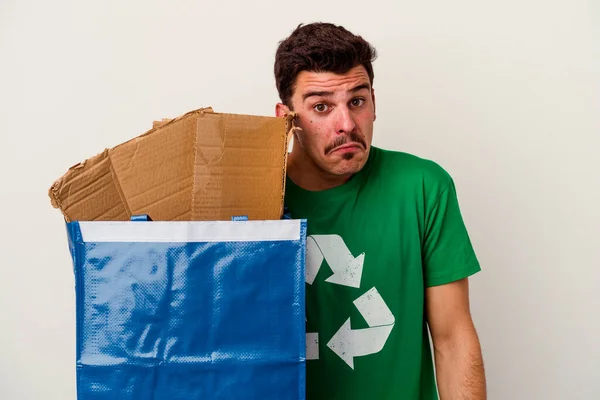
{"x": 306, "y": 174}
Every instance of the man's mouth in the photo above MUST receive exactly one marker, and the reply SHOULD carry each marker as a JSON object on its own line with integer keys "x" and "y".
{"x": 352, "y": 146}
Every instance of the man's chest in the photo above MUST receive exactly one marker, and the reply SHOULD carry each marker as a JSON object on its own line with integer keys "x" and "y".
{"x": 361, "y": 280}
{"x": 357, "y": 248}
{"x": 364, "y": 265}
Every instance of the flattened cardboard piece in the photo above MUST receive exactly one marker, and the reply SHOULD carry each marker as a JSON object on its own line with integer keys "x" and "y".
{"x": 89, "y": 189}
{"x": 200, "y": 166}
{"x": 229, "y": 166}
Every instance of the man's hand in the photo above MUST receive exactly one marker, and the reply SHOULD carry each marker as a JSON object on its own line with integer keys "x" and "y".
{"x": 458, "y": 358}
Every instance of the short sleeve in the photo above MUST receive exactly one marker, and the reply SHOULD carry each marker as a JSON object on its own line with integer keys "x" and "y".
{"x": 448, "y": 254}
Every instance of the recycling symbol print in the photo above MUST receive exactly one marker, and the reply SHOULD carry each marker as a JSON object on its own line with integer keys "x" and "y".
{"x": 347, "y": 270}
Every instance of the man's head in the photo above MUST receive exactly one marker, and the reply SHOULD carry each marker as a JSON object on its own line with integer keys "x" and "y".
{"x": 324, "y": 73}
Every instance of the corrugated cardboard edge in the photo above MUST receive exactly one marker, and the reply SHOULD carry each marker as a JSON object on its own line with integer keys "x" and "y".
{"x": 156, "y": 124}
{"x": 290, "y": 128}
{"x": 72, "y": 172}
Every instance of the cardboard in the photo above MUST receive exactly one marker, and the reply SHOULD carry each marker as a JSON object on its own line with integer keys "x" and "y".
{"x": 200, "y": 166}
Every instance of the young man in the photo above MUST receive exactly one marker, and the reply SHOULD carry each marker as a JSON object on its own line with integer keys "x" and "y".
{"x": 388, "y": 253}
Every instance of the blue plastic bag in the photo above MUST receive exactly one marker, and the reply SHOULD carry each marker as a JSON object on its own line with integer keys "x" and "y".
{"x": 190, "y": 310}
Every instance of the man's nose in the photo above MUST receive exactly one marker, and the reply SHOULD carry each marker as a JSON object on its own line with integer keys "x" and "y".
{"x": 344, "y": 121}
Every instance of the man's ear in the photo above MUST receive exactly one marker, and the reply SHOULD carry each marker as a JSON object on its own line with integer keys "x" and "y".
{"x": 374, "y": 108}
{"x": 281, "y": 110}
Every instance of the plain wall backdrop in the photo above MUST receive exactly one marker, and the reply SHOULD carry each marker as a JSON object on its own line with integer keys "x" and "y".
{"x": 505, "y": 95}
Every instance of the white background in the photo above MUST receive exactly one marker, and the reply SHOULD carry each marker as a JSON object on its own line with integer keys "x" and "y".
{"x": 504, "y": 94}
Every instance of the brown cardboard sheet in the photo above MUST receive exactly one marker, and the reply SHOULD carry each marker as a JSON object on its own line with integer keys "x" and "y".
{"x": 202, "y": 165}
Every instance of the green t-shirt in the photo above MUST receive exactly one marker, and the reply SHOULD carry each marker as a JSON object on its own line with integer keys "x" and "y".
{"x": 374, "y": 245}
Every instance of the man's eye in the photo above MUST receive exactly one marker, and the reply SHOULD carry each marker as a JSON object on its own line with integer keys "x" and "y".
{"x": 357, "y": 102}
{"x": 320, "y": 108}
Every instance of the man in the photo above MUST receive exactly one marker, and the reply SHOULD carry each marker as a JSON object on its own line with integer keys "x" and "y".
{"x": 389, "y": 227}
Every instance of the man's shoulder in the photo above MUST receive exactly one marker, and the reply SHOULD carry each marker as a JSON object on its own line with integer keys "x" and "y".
{"x": 403, "y": 165}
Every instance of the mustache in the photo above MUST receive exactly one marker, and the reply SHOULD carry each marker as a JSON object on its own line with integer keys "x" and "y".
{"x": 352, "y": 137}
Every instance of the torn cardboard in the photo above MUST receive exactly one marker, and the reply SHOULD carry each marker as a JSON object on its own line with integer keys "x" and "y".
{"x": 200, "y": 166}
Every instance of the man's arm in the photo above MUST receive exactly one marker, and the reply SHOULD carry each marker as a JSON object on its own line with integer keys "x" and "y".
{"x": 458, "y": 358}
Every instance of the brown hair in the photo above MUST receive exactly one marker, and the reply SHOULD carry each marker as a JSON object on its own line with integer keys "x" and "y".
{"x": 319, "y": 47}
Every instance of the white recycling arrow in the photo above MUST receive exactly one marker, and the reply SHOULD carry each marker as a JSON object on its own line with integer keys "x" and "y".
{"x": 347, "y": 269}
{"x": 348, "y": 343}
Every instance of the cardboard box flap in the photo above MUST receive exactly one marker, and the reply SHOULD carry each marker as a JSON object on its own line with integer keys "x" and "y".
{"x": 156, "y": 172}
{"x": 90, "y": 189}
{"x": 200, "y": 166}
{"x": 239, "y": 165}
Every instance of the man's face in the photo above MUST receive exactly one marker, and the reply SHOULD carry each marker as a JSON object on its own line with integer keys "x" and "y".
{"x": 336, "y": 115}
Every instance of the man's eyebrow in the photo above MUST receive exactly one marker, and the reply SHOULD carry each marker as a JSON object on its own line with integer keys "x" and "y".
{"x": 326, "y": 93}
{"x": 360, "y": 87}
{"x": 316, "y": 94}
